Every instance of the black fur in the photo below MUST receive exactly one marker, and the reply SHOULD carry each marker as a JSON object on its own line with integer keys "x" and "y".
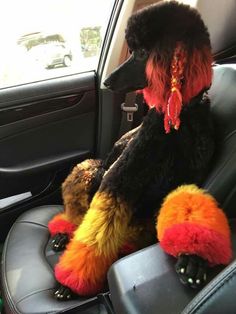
{"x": 163, "y": 24}
{"x": 118, "y": 148}
{"x": 129, "y": 76}
{"x": 154, "y": 163}
{"x": 156, "y": 29}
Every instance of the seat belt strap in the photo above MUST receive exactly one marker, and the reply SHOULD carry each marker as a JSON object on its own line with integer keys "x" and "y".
{"x": 128, "y": 108}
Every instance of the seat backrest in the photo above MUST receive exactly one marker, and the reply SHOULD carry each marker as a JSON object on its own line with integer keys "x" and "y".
{"x": 221, "y": 182}
{"x": 219, "y": 17}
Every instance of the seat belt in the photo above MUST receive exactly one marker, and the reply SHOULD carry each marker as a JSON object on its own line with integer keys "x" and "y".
{"x": 133, "y": 111}
{"x": 128, "y": 108}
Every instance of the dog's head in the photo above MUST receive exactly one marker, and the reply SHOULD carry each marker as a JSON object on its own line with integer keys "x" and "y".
{"x": 170, "y": 52}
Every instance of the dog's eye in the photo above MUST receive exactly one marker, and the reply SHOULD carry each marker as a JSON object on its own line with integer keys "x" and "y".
{"x": 130, "y": 51}
{"x": 142, "y": 54}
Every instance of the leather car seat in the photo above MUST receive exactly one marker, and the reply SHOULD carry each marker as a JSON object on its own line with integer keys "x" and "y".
{"x": 27, "y": 268}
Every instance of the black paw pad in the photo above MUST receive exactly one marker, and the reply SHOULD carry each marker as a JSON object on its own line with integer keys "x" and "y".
{"x": 64, "y": 293}
{"x": 192, "y": 270}
{"x": 59, "y": 242}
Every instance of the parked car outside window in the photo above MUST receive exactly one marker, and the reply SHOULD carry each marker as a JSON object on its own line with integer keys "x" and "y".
{"x": 49, "y": 55}
{"x": 50, "y": 38}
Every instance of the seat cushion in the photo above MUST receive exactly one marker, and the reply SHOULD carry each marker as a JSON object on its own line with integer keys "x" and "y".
{"x": 28, "y": 282}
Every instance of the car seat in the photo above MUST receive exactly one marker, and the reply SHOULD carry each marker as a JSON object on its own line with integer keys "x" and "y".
{"x": 143, "y": 282}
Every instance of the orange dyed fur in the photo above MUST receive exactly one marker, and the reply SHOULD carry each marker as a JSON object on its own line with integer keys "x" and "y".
{"x": 82, "y": 269}
{"x": 105, "y": 233}
{"x": 193, "y": 205}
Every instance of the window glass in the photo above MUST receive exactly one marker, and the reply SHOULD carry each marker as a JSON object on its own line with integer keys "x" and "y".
{"x": 42, "y": 39}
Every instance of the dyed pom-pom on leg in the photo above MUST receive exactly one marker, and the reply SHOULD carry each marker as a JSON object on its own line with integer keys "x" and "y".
{"x": 194, "y": 229}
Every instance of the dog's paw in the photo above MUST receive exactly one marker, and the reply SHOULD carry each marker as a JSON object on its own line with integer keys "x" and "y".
{"x": 192, "y": 270}
{"x": 63, "y": 293}
{"x": 59, "y": 242}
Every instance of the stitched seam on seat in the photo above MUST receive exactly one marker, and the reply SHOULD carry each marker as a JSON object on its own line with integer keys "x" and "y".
{"x": 213, "y": 285}
{"x": 227, "y": 200}
{"x": 8, "y": 295}
{"x": 215, "y": 291}
{"x": 45, "y": 246}
{"x": 93, "y": 301}
{"x": 32, "y": 222}
{"x": 211, "y": 293}
{"x": 38, "y": 208}
{"x": 45, "y": 256}
{"x": 14, "y": 304}
{"x": 37, "y": 223}
{"x": 10, "y": 301}
{"x": 228, "y": 136}
{"x": 33, "y": 293}
{"x": 210, "y": 286}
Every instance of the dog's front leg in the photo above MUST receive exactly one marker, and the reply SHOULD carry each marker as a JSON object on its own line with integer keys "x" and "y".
{"x": 97, "y": 242}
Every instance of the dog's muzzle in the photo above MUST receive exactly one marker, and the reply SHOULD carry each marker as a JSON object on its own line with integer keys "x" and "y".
{"x": 129, "y": 76}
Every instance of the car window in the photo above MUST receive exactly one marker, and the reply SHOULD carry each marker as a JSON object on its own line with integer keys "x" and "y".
{"x": 44, "y": 39}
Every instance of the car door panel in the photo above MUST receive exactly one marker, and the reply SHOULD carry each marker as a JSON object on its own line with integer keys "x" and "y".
{"x": 45, "y": 128}
{"x": 36, "y": 108}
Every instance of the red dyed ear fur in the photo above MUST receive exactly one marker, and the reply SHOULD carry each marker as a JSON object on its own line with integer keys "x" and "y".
{"x": 158, "y": 76}
{"x": 197, "y": 77}
{"x": 197, "y": 74}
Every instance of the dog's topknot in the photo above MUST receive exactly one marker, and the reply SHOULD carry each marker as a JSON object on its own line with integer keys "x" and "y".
{"x": 166, "y": 23}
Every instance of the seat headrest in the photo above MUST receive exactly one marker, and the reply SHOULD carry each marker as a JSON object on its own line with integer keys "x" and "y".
{"x": 220, "y": 19}
{"x": 223, "y": 99}
{"x": 221, "y": 182}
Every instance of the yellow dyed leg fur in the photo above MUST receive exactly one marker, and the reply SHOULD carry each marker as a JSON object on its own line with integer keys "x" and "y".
{"x": 95, "y": 245}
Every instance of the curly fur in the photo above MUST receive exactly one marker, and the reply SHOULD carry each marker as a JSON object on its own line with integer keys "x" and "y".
{"x": 191, "y": 221}
{"x": 167, "y": 161}
{"x": 192, "y": 238}
{"x": 152, "y": 30}
{"x": 77, "y": 191}
{"x": 161, "y": 25}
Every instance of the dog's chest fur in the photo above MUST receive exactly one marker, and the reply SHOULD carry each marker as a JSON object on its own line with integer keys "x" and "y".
{"x": 154, "y": 163}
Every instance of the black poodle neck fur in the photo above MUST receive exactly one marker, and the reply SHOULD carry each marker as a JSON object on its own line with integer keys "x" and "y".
{"x": 154, "y": 163}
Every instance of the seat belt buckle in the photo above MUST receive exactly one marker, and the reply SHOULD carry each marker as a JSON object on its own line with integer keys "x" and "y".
{"x": 129, "y": 111}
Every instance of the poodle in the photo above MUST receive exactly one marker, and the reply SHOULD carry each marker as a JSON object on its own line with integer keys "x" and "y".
{"x": 111, "y": 206}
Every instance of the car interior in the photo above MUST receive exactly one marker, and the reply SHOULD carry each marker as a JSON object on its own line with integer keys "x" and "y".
{"x": 49, "y": 126}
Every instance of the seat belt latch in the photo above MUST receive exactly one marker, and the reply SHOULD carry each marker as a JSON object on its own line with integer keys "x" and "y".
{"x": 129, "y": 111}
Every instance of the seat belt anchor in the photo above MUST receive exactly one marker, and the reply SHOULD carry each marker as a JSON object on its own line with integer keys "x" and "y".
{"x": 129, "y": 111}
